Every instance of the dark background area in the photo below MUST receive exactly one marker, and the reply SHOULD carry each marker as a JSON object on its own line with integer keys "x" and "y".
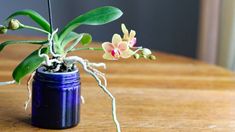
{"x": 164, "y": 25}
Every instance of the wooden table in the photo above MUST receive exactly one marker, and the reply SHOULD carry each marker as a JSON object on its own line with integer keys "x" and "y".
{"x": 172, "y": 94}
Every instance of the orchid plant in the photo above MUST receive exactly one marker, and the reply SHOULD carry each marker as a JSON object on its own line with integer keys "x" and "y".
{"x": 52, "y": 52}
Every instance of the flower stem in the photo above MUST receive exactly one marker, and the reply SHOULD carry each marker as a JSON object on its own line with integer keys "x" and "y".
{"x": 87, "y": 48}
{"x": 34, "y": 28}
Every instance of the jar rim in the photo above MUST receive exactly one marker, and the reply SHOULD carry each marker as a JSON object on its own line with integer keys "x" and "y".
{"x": 41, "y": 70}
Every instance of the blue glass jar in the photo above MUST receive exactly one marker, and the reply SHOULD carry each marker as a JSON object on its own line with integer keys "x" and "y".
{"x": 55, "y": 99}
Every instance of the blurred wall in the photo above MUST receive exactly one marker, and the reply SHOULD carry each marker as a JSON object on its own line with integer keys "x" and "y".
{"x": 165, "y": 25}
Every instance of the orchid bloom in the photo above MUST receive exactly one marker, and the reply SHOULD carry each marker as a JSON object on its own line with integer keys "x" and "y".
{"x": 118, "y": 48}
{"x": 129, "y": 37}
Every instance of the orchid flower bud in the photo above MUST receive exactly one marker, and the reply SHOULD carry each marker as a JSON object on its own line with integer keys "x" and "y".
{"x": 146, "y": 52}
{"x": 152, "y": 57}
{"x": 136, "y": 56}
{"x": 14, "y": 24}
{"x": 3, "y": 30}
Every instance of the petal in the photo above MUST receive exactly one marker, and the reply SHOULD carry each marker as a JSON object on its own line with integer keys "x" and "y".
{"x": 126, "y": 37}
{"x": 116, "y": 39}
{"x": 123, "y": 46}
{"x": 132, "y": 34}
{"x": 108, "y": 47}
{"x": 108, "y": 56}
{"x": 127, "y": 53}
{"x": 133, "y": 42}
{"x": 124, "y": 29}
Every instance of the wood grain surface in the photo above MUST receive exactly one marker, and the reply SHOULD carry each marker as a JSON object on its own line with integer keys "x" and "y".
{"x": 172, "y": 94}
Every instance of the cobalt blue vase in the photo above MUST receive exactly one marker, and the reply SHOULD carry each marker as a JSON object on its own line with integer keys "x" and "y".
{"x": 55, "y": 99}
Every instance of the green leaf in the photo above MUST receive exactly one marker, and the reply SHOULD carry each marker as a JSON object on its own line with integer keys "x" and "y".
{"x": 2, "y": 45}
{"x": 34, "y": 16}
{"x": 79, "y": 38}
{"x": 28, "y": 65}
{"x": 98, "y": 16}
{"x": 70, "y": 37}
{"x": 86, "y": 39}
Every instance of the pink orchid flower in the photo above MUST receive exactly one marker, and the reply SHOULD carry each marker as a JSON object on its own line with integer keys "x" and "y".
{"x": 116, "y": 49}
{"x": 129, "y": 37}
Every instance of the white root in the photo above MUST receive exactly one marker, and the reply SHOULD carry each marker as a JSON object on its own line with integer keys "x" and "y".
{"x": 57, "y": 68}
{"x": 7, "y": 83}
{"x": 82, "y": 99}
{"x": 97, "y": 72}
{"x": 105, "y": 80}
{"x": 70, "y": 60}
{"x": 52, "y": 44}
{"x": 98, "y": 65}
{"x": 85, "y": 64}
{"x": 48, "y": 61}
{"x": 55, "y": 60}
{"x": 29, "y": 91}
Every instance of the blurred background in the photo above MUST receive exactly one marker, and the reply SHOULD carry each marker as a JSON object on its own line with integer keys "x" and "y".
{"x": 201, "y": 29}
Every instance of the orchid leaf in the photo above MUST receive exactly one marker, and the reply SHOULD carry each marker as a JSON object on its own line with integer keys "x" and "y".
{"x": 98, "y": 16}
{"x": 2, "y": 45}
{"x": 70, "y": 37}
{"x": 85, "y": 38}
{"x": 79, "y": 38}
{"x": 36, "y": 17}
{"x": 28, "y": 65}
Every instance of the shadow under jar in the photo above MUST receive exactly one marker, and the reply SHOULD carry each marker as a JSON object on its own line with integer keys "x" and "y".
{"x": 56, "y": 99}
